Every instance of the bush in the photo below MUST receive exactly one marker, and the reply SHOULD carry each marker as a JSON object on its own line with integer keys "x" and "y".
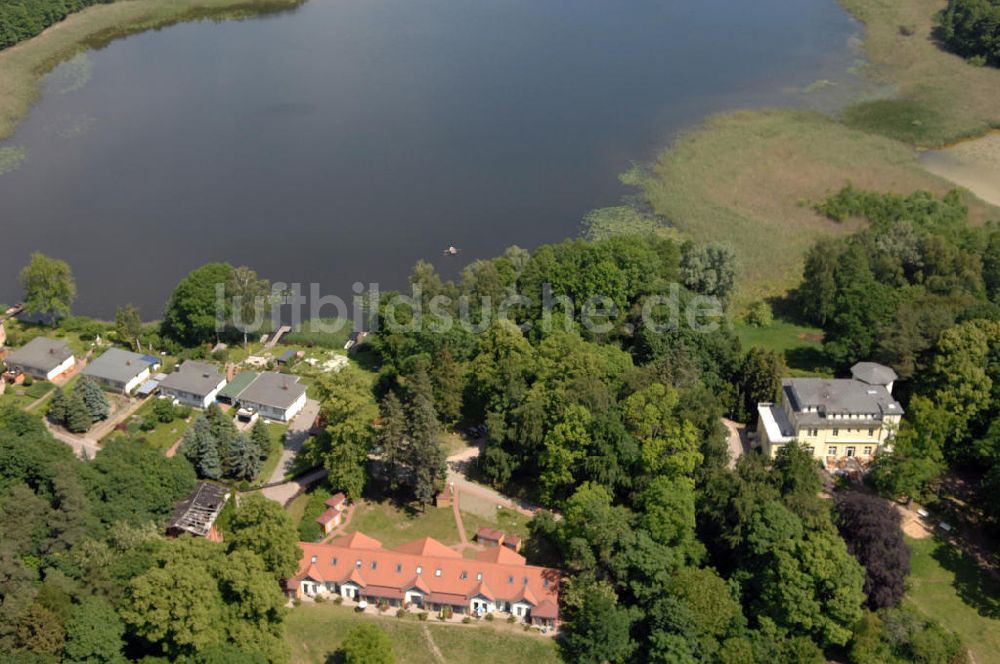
{"x": 760, "y": 315}
{"x": 338, "y": 600}
{"x": 319, "y": 599}
{"x": 164, "y": 411}
{"x": 296, "y": 602}
{"x": 148, "y": 424}
{"x": 182, "y": 412}
{"x": 28, "y": 380}
{"x": 489, "y": 617}
{"x": 466, "y": 620}
{"x": 422, "y": 615}
{"x": 400, "y": 613}
{"x": 969, "y": 28}
{"x": 511, "y": 619}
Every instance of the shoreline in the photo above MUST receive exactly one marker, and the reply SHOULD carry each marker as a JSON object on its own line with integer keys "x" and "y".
{"x": 23, "y": 65}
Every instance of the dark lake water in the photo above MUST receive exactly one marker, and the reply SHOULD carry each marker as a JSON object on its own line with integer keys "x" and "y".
{"x": 345, "y": 140}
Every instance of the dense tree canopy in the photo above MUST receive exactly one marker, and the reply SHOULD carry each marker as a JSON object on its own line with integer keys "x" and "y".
{"x": 49, "y": 287}
{"x": 972, "y": 29}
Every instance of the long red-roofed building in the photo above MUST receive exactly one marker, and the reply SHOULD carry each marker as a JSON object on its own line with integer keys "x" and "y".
{"x": 427, "y": 574}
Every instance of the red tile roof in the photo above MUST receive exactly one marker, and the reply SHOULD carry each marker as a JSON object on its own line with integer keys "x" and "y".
{"x": 428, "y": 546}
{"x": 445, "y": 579}
{"x": 335, "y": 501}
{"x": 502, "y": 555}
{"x": 327, "y": 516}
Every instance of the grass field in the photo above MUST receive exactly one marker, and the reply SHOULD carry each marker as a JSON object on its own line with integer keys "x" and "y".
{"x": 277, "y": 432}
{"x": 393, "y": 525}
{"x": 938, "y": 97}
{"x": 801, "y": 345}
{"x": 952, "y": 590}
{"x": 22, "y": 397}
{"x": 314, "y": 632}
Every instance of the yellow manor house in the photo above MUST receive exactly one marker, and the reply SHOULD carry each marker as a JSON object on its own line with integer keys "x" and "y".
{"x": 835, "y": 418}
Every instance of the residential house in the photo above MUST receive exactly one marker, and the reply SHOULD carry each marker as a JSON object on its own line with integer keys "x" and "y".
{"x": 42, "y": 358}
{"x": 194, "y": 384}
{"x": 334, "y": 514}
{"x": 120, "y": 370}
{"x": 231, "y": 392}
{"x": 446, "y": 496}
{"x": 274, "y": 396}
{"x": 834, "y": 418}
{"x": 197, "y": 513}
{"x": 426, "y": 574}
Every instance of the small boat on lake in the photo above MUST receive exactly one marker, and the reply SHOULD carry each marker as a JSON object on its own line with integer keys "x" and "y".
{"x": 451, "y": 251}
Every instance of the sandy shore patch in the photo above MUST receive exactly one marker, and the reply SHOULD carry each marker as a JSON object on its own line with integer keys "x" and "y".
{"x": 973, "y": 164}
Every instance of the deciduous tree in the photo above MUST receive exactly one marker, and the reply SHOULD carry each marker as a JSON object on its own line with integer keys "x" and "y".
{"x": 49, "y": 287}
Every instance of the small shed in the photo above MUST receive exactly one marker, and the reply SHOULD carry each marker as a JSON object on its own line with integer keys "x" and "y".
{"x": 287, "y": 357}
{"x": 197, "y": 513}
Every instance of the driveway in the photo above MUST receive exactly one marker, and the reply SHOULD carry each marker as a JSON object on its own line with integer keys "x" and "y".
{"x": 298, "y": 433}
{"x": 739, "y": 442}
{"x": 83, "y": 446}
{"x": 284, "y": 492}
{"x": 88, "y": 443}
{"x": 458, "y": 466}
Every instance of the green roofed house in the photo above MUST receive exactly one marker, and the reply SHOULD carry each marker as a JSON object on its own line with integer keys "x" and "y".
{"x": 42, "y": 358}
{"x": 230, "y": 393}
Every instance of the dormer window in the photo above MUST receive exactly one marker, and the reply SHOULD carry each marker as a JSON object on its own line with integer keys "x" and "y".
{"x": 510, "y": 579}
{"x": 374, "y": 564}
{"x": 464, "y": 575}
{"x": 545, "y": 582}
{"x": 357, "y": 563}
{"x": 479, "y": 576}
{"x": 437, "y": 572}
{"x": 420, "y": 569}
{"x": 313, "y": 559}
{"x": 525, "y": 580}
{"x": 399, "y": 568}
{"x": 335, "y": 561}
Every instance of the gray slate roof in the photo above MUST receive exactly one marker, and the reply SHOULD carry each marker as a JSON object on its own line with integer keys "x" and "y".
{"x": 844, "y": 396}
{"x": 198, "y": 511}
{"x": 273, "y": 389}
{"x": 118, "y": 365}
{"x": 193, "y": 377}
{"x": 41, "y": 353}
{"x": 873, "y": 373}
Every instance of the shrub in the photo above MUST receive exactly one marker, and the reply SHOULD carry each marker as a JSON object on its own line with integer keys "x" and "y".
{"x": 182, "y": 412}
{"x": 164, "y": 411}
{"x": 511, "y": 619}
{"x": 296, "y": 602}
{"x": 489, "y": 617}
{"x": 466, "y": 620}
{"x": 400, "y": 613}
{"x": 148, "y": 424}
{"x": 383, "y": 606}
{"x": 319, "y": 599}
{"x": 422, "y": 615}
{"x": 28, "y": 380}
{"x": 338, "y": 600}
{"x": 760, "y": 315}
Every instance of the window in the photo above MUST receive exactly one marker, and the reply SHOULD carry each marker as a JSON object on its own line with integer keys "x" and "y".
{"x": 850, "y": 451}
{"x": 357, "y": 563}
{"x": 871, "y": 432}
{"x": 812, "y": 450}
{"x": 420, "y": 569}
{"x": 525, "y": 580}
{"x": 510, "y": 579}
{"x": 313, "y": 559}
{"x": 831, "y": 451}
{"x": 868, "y": 450}
{"x": 437, "y": 572}
{"x": 479, "y": 576}
{"x": 335, "y": 561}
{"x": 464, "y": 575}
{"x": 399, "y": 568}
{"x": 813, "y": 432}
{"x": 374, "y": 565}
{"x": 545, "y": 582}
{"x": 836, "y": 432}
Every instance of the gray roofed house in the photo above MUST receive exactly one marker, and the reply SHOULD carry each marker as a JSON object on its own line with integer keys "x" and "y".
{"x": 835, "y": 418}
{"x": 119, "y": 369}
{"x": 274, "y": 396}
{"x": 42, "y": 357}
{"x": 194, "y": 383}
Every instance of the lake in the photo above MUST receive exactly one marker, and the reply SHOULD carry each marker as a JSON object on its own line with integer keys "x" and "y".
{"x": 345, "y": 140}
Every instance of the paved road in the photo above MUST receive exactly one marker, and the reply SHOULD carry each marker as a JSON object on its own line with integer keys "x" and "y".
{"x": 283, "y": 493}
{"x": 298, "y": 433}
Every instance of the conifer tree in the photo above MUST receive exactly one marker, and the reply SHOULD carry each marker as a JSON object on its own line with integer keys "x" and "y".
{"x": 426, "y": 456}
{"x": 392, "y": 440}
{"x": 58, "y": 406}
{"x": 78, "y": 419}
{"x": 449, "y": 383}
{"x": 261, "y": 438}
{"x": 94, "y": 398}
{"x": 244, "y": 459}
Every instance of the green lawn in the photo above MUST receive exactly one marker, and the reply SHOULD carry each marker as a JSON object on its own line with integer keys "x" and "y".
{"x": 314, "y": 631}
{"x": 277, "y": 432}
{"x": 162, "y": 437}
{"x": 393, "y": 525}
{"x": 22, "y": 396}
{"x": 951, "y": 589}
{"x": 506, "y": 520}
{"x": 801, "y": 345}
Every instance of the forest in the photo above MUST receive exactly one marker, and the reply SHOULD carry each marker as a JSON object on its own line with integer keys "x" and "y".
{"x": 23, "y": 19}
{"x": 972, "y": 29}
